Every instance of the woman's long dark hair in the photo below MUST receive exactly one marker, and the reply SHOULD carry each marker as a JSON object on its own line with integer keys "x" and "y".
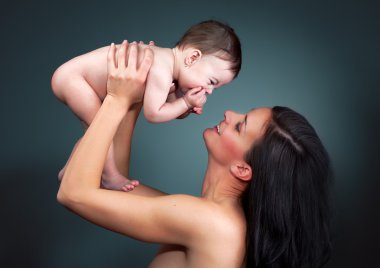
{"x": 287, "y": 204}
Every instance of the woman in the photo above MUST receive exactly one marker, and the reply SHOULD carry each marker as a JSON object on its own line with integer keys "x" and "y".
{"x": 264, "y": 198}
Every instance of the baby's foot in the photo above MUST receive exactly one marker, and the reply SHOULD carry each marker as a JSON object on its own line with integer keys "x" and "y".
{"x": 113, "y": 182}
{"x": 118, "y": 182}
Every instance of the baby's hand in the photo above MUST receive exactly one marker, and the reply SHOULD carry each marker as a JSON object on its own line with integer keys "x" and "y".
{"x": 195, "y": 97}
{"x": 198, "y": 110}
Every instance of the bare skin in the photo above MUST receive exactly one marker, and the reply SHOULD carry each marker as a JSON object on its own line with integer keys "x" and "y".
{"x": 206, "y": 231}
{"x": 81, "y": 84}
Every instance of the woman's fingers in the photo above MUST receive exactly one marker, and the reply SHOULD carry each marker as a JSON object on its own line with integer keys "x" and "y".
{"x": 146, "y": 63}
{"x": 121, "y": 58}
{"x": 111, "y": 64}
{"x": 126, "y": 81}
{"x": 132, "y": 58}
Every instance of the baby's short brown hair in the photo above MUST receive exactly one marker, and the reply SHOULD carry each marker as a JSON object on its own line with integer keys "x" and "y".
{"x": 214, "y": 37}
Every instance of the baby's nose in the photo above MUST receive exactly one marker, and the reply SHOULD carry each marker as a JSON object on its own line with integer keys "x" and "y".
{"x": 209, "y": 90}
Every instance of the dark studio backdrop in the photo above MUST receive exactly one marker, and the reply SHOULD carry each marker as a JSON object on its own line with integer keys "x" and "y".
{"x": 320, "y": 58}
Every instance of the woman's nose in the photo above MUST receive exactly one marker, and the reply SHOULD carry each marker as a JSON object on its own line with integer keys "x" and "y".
{"x": 227, "y": 115}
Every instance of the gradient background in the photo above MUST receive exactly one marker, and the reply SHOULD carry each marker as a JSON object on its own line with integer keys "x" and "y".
{"x": 320, "y": 58}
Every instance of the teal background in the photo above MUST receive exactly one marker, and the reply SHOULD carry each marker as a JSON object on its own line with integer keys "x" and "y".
{"x": 320, "y": 58}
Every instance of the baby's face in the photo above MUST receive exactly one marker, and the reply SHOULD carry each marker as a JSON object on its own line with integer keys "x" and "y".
{"x": 209, "y": 72}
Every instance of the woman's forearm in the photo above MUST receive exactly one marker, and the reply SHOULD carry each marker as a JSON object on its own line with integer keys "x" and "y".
{"x": 125, "y": 87}
{"x": 84, "y": 170}
{"x": 123, "y": 139}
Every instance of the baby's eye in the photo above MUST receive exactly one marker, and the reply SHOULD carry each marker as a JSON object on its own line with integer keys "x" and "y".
{"x": 237, "y": 127}
{"x": 212, "y": 82}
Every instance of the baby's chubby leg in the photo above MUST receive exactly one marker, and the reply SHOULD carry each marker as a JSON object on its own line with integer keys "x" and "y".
{"x": 83, "y": 101}
{"x": 123, "y": 139}
{"x": 111, "y": 178}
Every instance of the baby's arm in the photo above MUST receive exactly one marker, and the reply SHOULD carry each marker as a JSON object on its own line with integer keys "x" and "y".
{"x": 156, "y": 107}
{"x": 174, "y": 96}
{"x": 159, "y": 107}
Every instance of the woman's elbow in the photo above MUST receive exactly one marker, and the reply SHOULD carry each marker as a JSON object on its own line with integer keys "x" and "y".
{"x": 61, "y": 197}
{"x": 67, "y": 199}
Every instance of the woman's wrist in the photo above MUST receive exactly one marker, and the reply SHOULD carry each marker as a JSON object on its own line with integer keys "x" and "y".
{"x": 118, "y": 105}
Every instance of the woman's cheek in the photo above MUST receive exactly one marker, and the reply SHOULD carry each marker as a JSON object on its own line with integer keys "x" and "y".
{"x": 232, "y": 147}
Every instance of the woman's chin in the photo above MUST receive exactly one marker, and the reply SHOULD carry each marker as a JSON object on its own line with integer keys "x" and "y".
{"x": 209, "y": 131}
{"x": 209, "y": 135}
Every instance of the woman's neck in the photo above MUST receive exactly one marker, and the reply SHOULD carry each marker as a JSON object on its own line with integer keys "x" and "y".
{"x": 220, "y": 185}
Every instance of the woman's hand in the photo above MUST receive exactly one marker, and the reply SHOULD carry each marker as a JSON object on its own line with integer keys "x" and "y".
{"x": 126, "y": 81}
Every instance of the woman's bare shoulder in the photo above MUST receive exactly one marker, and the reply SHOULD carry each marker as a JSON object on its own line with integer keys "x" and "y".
{"x": 214, "y": 218}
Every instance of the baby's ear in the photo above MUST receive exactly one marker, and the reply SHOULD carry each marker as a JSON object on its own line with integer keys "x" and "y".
{"x": 241, "y": 170}
{"x": 192, "y": 56}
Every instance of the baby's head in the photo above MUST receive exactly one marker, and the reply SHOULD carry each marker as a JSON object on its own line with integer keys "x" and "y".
{"x": 211, "y": 56}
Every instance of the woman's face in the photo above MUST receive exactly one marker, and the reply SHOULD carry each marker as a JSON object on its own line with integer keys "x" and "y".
{"x": 233, "y": 137}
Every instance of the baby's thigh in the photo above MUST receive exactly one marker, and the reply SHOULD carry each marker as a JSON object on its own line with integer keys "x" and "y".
{"x": 82, "y": 99}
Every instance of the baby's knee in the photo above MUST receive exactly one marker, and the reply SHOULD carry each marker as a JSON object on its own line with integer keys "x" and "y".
{"x": 57, "y": 84}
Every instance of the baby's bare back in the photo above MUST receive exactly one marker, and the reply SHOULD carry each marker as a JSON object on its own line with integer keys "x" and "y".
{"x": 93, "y": 67}
{"x": 81, "y": 83}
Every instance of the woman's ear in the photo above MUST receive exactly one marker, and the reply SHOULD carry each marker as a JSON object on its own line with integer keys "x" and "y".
{"x": 241, "y": 170}
{"x": 192, "y": 56}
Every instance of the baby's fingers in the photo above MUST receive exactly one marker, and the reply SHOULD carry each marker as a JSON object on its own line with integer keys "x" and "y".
{"x": 200, "y": 93}
{"x": 198, "y": 110}
{"x": 203, "y": 100}
{"x": 195, "y": 90}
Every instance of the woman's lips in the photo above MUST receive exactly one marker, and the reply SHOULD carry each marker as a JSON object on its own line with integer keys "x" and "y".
{"x": 218, "y": 129}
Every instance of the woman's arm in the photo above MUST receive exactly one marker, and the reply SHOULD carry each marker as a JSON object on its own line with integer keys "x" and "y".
{"x": 84, "y": 162}
{"x": 122, "y": 148}
{"x": 163, "y": 219}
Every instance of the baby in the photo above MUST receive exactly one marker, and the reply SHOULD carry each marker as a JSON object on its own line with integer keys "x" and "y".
{"x": 208, "y": 56}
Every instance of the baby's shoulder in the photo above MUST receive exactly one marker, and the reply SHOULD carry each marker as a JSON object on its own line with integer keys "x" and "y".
{"x": 162, "y": 58}
{"x": 161, "y": 68}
